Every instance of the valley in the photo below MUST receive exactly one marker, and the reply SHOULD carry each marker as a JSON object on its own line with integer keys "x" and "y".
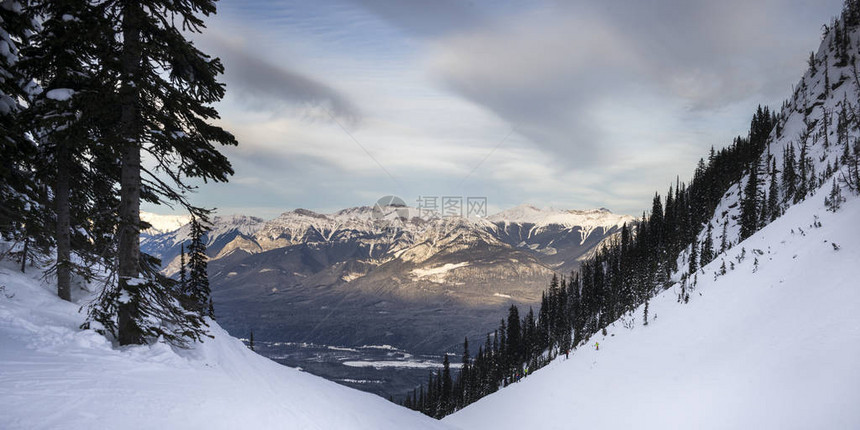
{"x": 349, "y": 279}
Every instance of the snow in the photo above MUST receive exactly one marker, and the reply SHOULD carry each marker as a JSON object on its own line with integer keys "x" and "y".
{"x": 438, "y": 272}
{"x": 586, "y": 219}
{"x": 12, "y": 6}
{"x": 54, "y": 375}
{"x": 351, "y": 276}
{"x": 6, "y": 48}
{"x": 386, "y": 347}
{"x": 60, "y": 94}
{"x": 400, "y": 364}
{"x": 768, "y": 345}
{"x": 164, "y": 223}
{"x": 7, "y": 104}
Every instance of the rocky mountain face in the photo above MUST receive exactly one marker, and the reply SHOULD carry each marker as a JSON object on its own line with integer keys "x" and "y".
{"x": 360, "y": 277}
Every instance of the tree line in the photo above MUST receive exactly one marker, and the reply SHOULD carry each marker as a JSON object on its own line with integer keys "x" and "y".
{"x": 104, "y": 105}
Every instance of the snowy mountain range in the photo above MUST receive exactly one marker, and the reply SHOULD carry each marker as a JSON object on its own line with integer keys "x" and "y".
{"x": 355, "y": 278}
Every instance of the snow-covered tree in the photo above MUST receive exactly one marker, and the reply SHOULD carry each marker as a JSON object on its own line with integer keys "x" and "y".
{"x": 16, "y": 150}
{"x": 707, "y": 254}
{"x": 66, "y": 117}
{"x": 196, "y": 292}
{"x": 166, "y": 88}
{"x": 750, "y": 204}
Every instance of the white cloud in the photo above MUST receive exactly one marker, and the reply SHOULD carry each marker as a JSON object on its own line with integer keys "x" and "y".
{"x": 609, "y": 101}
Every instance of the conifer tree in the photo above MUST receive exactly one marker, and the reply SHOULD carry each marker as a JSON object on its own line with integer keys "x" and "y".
{"x": 196, "y": 293}
{"x": 66, "y": 118}
{"x": 749, "y": 203}
{"x": 513, "y": 340}
{"x": 694, "y": 257}
{"x": 466, "y": 376}
{"x": 531, "y": 338}
{"x": 835, "y": 199}
{"x": 773, "y": 195}
{"x": 445, "y": 403}
{"x": 707, "y": 254}
{"x": 803, "y": 178}
{"x": 851, "y": 14}
{"x": 183, "y": 270}
{"x": 18, "y": 196}
{"x": 789, "y": 174}
{"x": 166, "y": 88}
{"x": 655, "y": 222}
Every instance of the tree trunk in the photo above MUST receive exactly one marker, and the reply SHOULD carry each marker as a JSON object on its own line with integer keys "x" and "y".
{"x": 129, "y": 212}
{"x": 63, "y": 225}
{"x": 26, "y": 251}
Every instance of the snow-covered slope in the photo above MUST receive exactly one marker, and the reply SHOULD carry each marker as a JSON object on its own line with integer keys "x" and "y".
{"x": 772, "y": 344}
{"x": 55, "y": 376}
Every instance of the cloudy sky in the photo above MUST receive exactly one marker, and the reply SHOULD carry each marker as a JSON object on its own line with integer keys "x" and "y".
{"x": 569, "y": 104}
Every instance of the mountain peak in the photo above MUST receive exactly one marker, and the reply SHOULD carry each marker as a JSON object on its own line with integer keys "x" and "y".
{"x": 236, "y": 219}
{"x": 308, "y": 213}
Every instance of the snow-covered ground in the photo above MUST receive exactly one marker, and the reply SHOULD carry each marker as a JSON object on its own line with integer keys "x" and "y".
{"x": 55, "y": 376}
{"x": 772, "y": 344}
{"x": 437, "y": 274}
{"x": 412, "y": 364}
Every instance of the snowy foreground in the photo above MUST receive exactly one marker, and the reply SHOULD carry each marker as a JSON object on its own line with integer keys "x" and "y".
{"x": 54, "y": 376}
{"x": 774, "y": 349}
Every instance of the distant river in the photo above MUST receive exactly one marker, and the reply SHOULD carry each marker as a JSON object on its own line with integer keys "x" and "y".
{"x": 379, "y": 369}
